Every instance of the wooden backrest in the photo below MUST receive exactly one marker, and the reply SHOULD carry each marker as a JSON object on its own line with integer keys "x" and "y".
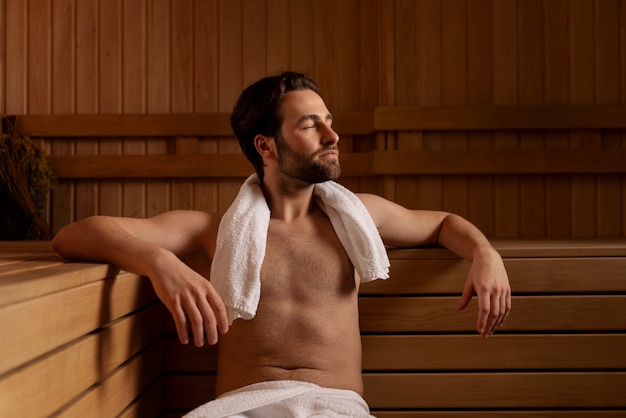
{"x": 78, "y": 339}
{"x": 85, "y": 337}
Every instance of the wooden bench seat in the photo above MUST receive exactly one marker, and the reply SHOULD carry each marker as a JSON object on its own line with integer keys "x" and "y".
{"x": 84, "y": 339}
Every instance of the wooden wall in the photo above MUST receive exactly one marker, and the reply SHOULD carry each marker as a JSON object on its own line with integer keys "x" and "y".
{"x": 194, "y": 56}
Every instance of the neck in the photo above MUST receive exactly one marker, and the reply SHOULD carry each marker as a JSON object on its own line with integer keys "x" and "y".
{"x": 288, "y": 199}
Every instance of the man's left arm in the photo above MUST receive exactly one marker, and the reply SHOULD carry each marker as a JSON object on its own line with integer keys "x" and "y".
{"x": 487, "y": 277}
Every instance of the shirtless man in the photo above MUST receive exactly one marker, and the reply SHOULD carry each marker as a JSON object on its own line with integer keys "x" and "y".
{"x": 306, "y": 327}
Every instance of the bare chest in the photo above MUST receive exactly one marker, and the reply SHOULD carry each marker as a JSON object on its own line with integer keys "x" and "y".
{"x": 305, "y": 259}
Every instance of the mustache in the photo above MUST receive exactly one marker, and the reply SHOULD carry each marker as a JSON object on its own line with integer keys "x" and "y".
{"x": 326, "y": 149}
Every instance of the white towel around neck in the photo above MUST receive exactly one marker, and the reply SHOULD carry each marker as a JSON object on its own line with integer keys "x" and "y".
{"x": 242, "y": 237}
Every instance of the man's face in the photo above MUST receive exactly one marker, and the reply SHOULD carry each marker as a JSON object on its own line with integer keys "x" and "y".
{"x": 307, "y": 147}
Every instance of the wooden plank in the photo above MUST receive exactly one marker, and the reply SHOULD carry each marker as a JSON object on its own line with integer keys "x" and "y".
{"x": 530, "y": 314}
{"x": 26, "y": 285}
{"x": 175, "y": 166}
{"x": 39, "y": 63}
{"x": 63, "y": 91}
{"x": 558, "y": 205}
{"x": 45, "y": 385}
{"x": 18, "y": 266}
{"x": 70, "y": 314}
{"x": 527, "y": 275}
{"x": 87, "y": 87}
{"x": 134, "y": 47}
{"x": 148, "y": 404}
{"x": 124, "y": 385}
{"x": 528, "y": 161}
{"x": 16, "y": 52}
{"x": 522, "y": 248}
{"x": 166, "y": 124}
{"x": 562, "y": 248}
{"x": 496, "y": 390}
{"x": 502, "y": 352}
{"x": 523, "y": 117}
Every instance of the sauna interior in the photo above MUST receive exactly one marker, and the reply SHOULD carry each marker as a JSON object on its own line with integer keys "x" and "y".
{"x": 509, "y": 113}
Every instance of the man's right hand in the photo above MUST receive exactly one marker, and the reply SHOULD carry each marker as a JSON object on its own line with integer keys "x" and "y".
{"x": 191, "y": 299}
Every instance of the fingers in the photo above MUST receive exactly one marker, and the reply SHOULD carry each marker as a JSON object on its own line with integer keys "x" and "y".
{"x": 466, "y": 297}
{"x": 493, "y": 309}
{"x": 201, "y": 312}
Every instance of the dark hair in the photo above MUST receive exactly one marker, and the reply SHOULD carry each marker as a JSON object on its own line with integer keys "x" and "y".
{"x": 256, "y": 112}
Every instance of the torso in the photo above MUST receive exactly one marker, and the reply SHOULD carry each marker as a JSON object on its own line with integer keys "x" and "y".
{"x": 306, "y": 327}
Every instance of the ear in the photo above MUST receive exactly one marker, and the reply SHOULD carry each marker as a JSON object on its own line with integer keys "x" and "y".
{"x": 264, "y": 145}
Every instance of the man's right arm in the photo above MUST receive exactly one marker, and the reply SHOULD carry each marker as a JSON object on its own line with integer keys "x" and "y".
{"x": 152, "y": 247}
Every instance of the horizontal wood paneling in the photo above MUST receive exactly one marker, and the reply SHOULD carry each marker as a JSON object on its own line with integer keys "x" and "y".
{"x": 489, "y": 78}
{"x": 177, "y": 124}
{"x": 78, "y": 338}
{"x": 494, "y": 162}
{"x": 501, "y": 352}
{"x": 53, "y": 380}
{"x": 124, "y": 385}
{"x": 498, "y": 118}
{"x": 498, "y": 390}
{"x": 532, "y": 313}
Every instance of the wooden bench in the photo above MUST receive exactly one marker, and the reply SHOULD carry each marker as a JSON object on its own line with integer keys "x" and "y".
{"x": 83, "y": 339}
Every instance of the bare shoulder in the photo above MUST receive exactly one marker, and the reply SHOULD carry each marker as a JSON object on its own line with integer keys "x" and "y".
{"x": 380, "y": 208}
{"x": 400, "y": 226}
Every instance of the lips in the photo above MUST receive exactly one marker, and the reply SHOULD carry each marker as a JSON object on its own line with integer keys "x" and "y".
{"x": 329, "y": 154}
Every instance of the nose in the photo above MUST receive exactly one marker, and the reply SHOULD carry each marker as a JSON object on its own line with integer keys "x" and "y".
{"x": 329, "y": 136}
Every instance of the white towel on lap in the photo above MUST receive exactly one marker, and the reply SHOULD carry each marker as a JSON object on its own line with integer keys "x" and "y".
{"x": 284, "y": 399}
{"x": 242, "y": 236}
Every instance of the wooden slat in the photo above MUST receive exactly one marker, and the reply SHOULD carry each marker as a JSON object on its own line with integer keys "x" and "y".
{"x": 47, "y": 384}
{"x": 346, "y": 123}
{"x": 495, "y": 390}
{"x": 530, "y": 313}
{"x": 148, "y": 404}
{"x": 127, "y": 125}
{"x": 151, "y": 125}
{"x": 175, "y": 166}
{"x": 526, "y": 248}
{"x": 53, "y": 320}
{"x": 26, "y": 285}
{"x": 499, "y": 118}
{"x": 594, "y": 247}
{"x": 527, "y": 275}
{"x": 501, "y": 352}
{"x": 7, "y": 267}
{"x": 529, "y": 161}
{"x": 124, "y": 385}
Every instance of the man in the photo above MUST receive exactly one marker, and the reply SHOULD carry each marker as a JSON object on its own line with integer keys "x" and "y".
{"x": 306, "y": 326}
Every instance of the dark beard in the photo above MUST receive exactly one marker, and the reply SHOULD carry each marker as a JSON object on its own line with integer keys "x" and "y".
{"x": 304, "y": 167}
